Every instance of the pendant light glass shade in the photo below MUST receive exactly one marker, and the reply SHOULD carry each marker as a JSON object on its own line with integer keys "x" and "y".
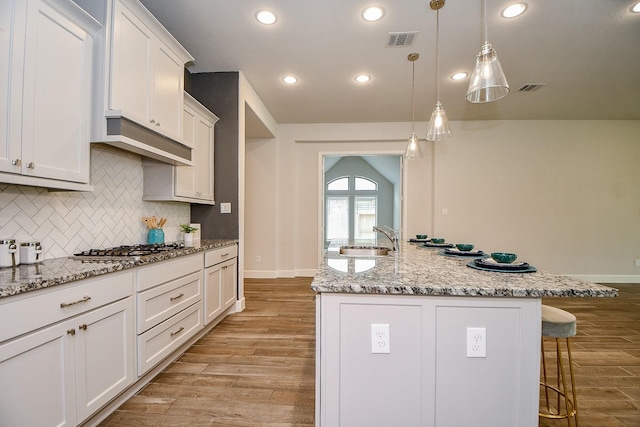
{"x": 488, "y": 82}
{"x": 438, "y": 125}
{"x": 413, "y": 148}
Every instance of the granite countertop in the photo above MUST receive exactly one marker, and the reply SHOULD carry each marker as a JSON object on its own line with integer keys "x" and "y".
{"x": 423, "y": 271}
{"x": 58, "y": 271}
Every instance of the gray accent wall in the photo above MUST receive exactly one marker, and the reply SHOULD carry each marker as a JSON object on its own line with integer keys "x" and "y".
{"x": 219, "y": 93}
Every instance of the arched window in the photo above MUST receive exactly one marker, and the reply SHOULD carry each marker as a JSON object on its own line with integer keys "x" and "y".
{"x": 339, "y": 184}
{"x": 351, "y": 208}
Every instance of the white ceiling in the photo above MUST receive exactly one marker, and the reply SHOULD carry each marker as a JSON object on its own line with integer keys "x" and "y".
{"x": 586, "y": 51}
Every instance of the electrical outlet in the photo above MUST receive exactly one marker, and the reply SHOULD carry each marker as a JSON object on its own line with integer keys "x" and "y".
{"x": 476, "y": 342}
{"x": 638, "y": 263}
{"x": 380, "y": 339}
{"x": 258, "y": 258}
{"x": 225, "y": 207}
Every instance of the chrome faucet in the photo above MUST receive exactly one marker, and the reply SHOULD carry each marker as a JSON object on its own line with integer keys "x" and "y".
{"x": 391, "y": 234}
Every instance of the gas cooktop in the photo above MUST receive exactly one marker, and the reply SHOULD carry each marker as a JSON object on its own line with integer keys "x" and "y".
{"x": 127, "y": 252}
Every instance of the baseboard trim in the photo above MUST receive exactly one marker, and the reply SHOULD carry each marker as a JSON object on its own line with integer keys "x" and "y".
{"x": 270, "y": 274}
{"x": 306, "y": 273}
{"x": 260, "y": 274}
{"x": 619, "y": 278}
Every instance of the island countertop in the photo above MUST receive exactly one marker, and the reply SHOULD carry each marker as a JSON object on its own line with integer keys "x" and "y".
{"x": 418, "y": 270}
{"x": 58, "y": 271}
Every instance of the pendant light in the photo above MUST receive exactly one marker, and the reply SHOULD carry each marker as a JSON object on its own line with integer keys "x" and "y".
{"x": 487, "y": 82}
{"x": 413, "y": 148}
{"x": 438, "y": 125}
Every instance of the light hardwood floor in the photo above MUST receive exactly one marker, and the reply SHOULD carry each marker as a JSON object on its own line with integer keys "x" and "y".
{"x": 257, "y": 367}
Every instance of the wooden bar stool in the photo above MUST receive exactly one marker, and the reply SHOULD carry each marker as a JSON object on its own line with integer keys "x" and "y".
{"x": 559, "y": 324}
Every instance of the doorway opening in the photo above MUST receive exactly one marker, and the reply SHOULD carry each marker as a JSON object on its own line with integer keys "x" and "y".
{"x": 359, "y": 192}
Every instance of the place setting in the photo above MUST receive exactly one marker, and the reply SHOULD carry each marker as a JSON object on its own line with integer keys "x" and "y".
{"x": 463, "y": 250}
{"x": 420, "y": 238}
{"x": 502, "y": 262}
{"x": 435, "y": 243}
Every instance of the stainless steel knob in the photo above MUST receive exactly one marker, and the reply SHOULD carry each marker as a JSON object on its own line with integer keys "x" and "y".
{"x": 31, "y": 165}
{"x": 16, "y": 162}
{"x": 152, "y": 121}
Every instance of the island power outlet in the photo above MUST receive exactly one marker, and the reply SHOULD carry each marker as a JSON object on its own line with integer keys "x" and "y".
{"x": 380, "y": 338}
{"x": 476, "y": 342}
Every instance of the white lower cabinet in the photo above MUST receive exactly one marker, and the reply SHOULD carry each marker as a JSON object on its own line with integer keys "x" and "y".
{"x": 71, "y": 368}
{"x": 169, "y": 308}
{"x": 220, "y": 281}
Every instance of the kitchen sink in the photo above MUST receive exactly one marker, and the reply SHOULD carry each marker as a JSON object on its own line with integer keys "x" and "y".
{"x": 364, "y": 250}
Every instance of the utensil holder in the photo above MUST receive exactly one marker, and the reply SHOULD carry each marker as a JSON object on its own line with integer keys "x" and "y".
{"x": 155, "y": 236}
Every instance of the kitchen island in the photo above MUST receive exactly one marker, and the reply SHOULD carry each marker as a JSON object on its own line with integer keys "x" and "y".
{"x": 429, "y": 303}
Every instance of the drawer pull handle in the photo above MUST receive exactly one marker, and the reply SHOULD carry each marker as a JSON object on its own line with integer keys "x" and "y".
{"x": 83, "y": 327}
{"x": 176, "y": 297}
{"x": 67, "y": 304}
{"x": 71, "y": 331}
{"x": 224, "y": 255}
{"x": 178, "y": 331}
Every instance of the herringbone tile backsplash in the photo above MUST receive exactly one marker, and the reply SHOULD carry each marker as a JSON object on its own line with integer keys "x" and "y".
{"x": 68, "y": 222}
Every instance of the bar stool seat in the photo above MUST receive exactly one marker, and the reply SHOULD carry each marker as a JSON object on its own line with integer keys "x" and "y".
{"x": 559, "y": 324}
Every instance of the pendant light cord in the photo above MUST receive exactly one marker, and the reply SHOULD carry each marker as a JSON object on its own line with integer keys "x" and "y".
{"x": 437, "y": 54}
{"x": 413, "y": 79}
{"x": 484, "y": 21}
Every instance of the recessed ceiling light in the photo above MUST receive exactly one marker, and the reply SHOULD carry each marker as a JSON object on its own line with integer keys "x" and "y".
{"x": 514, "y": 10}
{"x": 362, "y": 78}
{"x": 289, "y": 80}
{"x": 636, "y": 8}
{"x": 266, "y": 17}
{"x": 459, "y": 76}
{"x": 372, "y": 13}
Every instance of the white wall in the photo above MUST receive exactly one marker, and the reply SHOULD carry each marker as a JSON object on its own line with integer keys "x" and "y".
{"x": 562, "y": 194}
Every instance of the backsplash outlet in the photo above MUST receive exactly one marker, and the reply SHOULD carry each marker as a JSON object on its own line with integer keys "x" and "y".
{"x": 68, "y": 222}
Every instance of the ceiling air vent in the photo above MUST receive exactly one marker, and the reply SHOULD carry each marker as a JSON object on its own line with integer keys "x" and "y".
{"x": 530, "y": 87}
{"x": 401, "y": 39}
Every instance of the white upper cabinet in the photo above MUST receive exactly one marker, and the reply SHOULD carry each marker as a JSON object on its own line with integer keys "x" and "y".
{"x": 147, "y": 76}
{"x": 192, "y": 184}
{"x": 46, "y": 52}
{"x": 140, "y": 83}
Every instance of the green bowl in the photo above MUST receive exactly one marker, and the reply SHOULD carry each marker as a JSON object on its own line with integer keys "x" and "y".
{"x": 437, "y": 240}
{"x": 504, "y": 257}
{"x": 421, "y": 236}
{"x": 464, "y": 247}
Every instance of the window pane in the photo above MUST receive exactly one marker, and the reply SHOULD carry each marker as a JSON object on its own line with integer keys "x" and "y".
{"x": 337, "y": 217}
{"x": 365, "y": 217}
{"x": 365, "y": 184}
{"x": 339, "y": 184}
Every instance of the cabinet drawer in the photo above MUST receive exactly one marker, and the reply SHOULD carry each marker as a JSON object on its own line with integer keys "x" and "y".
{"x": 160, "y": 341}
{"x": 219, "y": 255}
{"x": 50, "y": 306}
{"x": 166, "y": 271}
{"x": 160, "y": 303}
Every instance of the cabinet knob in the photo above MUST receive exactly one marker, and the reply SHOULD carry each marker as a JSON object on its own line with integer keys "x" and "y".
{"x": 71, "y": 331}
{"x": 16, "y": 162}
{"x": 152, "y": 121}
{"x": 83, "y": 327}
{"x": 158, "y": 124}
{"x": 31, "y": 165}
